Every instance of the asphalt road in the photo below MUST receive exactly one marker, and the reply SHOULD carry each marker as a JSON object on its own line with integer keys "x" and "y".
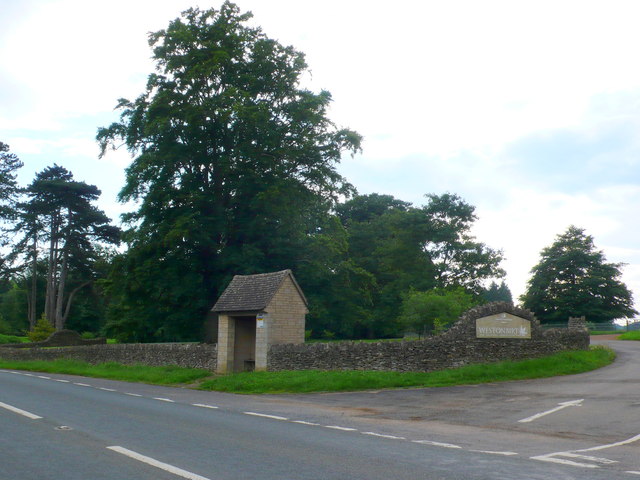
{"x": 577, "y": 427}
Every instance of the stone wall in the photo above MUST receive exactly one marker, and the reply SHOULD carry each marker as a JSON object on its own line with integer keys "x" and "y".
{"x": 456, "y": 347}
{"x": 195, "y": 355}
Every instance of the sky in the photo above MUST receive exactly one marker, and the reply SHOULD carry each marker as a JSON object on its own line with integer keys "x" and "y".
{"x": 528, "y": 110}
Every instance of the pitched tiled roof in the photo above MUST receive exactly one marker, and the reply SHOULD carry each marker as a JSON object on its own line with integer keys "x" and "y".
{"x": 247, "y": 293}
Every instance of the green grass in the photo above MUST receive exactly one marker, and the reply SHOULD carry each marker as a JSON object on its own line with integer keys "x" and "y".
{"x": 635, "y": 335}
{"x": 604, "y": 332}
{"x": 169, "y": 375}
{"x": 564, "y": 363}
{"x": 12, "y": 339}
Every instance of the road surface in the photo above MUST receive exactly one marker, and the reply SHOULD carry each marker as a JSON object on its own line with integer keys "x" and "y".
{"x": 576, "y": 427}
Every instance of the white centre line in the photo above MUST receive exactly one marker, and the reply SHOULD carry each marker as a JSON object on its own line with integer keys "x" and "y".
{"x": 492, "y": 452}
{"x": 381, "y": 435}
{"x": 132, "y": 394}
{"x": 60, "y": 380}
{"x": 344, "y": 429}
{"x": 203, "y": 405}
{"x": 19, "y": 411}
{"x": 81, "y": 384}
{"x": 437, "y": 444}
{"x": 264, "y": 415}
{"x": 155, "y": 463}
{"x": 561, "y": 405}
{"x": 107, "y": 389}
{"x": 42, "y": 376}
{"x": 302, "y": 422}
{"x": 164, "y": 399}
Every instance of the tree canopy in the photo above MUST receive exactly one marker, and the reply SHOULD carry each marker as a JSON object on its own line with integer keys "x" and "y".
{"x": 60, "y": 218}
{"x": 234, "y": 163}
{"x": 574, "y": 279}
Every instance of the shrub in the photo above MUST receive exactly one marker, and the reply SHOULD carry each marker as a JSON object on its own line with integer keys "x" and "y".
{"x": 42, "y": 330}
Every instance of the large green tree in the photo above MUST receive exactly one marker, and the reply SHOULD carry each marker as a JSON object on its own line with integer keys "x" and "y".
{"x": 59, "y": 217}
{"x": 233, "y": 163}
{"x": 574, "y": 279}
{"x": 413, "y": 248}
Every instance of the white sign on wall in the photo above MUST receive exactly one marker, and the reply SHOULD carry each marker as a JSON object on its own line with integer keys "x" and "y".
{"x": 503, "y": 325}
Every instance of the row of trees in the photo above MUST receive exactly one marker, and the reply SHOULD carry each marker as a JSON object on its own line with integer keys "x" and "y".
{"x": 55, "y": 237}
{"x": 234, "y": 172}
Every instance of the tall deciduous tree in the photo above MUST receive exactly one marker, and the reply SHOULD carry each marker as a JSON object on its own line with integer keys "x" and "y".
{"x": 232, "y": 159}
{"x": 574, "y": 279}
{"x": 421, "y": 248}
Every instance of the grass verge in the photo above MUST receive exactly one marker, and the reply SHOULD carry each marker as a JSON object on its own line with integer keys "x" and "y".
{"x": 306, "y": 381}
{"x": 169, "y": 375}
{"x": 635, "y": 335}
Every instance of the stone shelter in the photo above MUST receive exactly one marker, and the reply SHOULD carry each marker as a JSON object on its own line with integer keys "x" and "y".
{"x": 255, "y": 312}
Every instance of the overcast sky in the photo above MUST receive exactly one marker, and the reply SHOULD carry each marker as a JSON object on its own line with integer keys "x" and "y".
{"x": 529, "y": 110}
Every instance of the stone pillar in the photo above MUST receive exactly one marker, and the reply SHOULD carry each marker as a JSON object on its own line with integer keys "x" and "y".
{"x": 263, "y": 325}
{"x": 226, "y": 339}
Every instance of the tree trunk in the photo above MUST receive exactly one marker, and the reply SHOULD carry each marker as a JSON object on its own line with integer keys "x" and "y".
{"x": 70, "y": 299}
{"x": 64, "y": 269}
{"x": 32, "y": 298}
{"x": 59, "y": 320}
{"x": 52, "y": 274}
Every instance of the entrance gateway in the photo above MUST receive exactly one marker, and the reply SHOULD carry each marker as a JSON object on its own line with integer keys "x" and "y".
{"x": 255, "y": 312}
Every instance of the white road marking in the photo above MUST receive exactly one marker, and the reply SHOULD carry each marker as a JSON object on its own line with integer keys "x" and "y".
{"x": 107, "y": 389}
{"x": 589, "y": 458}
{"x": 203, "y": 405}
{"x": 302, "y": 422}
{"x": 491, "y": 452}
{"x": 81, "y": 384}
{"x": 19, "y": 411}
{"x": 168, "y": 400}
{"x": 617, "y": 444}
{"x": 28, "y": 375}
{"x": 42, "y": 376}
{"x": 552, "y": 457}
{"x": 273, "y": 417}
{"x": 132, "y": 394}
{"x": 391, "y": 437}
{"x": 561, "y": 405}
{"x": 437, "y": 444}
{"x": 344, "y": 429}
{"x": 155, "y": 463}
{"x": 632, "y": 472}
{"x": 60, "y": 380}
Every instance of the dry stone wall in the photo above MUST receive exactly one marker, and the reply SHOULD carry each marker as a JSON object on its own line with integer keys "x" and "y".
{"x": 193, "y": 355}
{"x": 456, "y": 347}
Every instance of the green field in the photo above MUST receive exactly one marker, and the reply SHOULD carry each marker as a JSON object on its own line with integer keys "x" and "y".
{"x": 12, "y": 339}
{"x": 635, "y": 335}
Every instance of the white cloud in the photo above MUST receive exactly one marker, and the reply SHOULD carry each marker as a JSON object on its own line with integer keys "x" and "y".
{"x": 444, "y": 92}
